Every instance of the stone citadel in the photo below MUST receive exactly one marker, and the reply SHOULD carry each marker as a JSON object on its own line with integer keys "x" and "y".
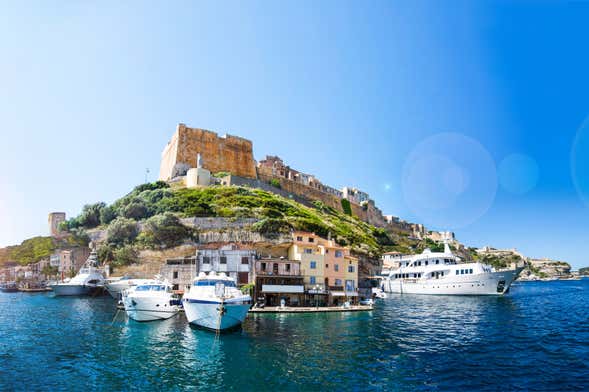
{"x": 230, "y": 159}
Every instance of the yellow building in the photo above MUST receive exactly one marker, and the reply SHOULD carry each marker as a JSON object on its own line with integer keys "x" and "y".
{"x": 307, "y": 249}
{"x": 326, "y": 267}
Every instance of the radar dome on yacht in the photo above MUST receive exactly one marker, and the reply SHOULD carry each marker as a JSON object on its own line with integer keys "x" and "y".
{"x": 202, "y": 274}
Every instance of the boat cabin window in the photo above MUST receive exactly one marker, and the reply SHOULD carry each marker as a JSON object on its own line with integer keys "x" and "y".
{"x": 437, "y": 261}
{"x": 227, "y": 283}
{"x": 151, "y": 287}
{"x": 426, "y": 262}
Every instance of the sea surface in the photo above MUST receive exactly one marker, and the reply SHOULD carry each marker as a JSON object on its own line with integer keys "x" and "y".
{"x": 536, "y": 338}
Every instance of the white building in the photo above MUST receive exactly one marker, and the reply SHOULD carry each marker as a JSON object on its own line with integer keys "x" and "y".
{"x": 235, "y": 260}
{"x": 355, "y": 195}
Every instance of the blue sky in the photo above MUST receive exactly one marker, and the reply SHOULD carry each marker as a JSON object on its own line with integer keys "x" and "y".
{"x": 477, "y": 102}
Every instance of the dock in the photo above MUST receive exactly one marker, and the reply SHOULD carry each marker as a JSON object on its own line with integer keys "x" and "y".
{"x": 320, "y": 309}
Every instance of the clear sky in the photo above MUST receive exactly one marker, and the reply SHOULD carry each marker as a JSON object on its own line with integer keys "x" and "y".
{"x": 468, "y": 116}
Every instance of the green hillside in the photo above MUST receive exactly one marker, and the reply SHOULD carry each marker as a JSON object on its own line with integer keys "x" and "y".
{"x": 157, "y": 205}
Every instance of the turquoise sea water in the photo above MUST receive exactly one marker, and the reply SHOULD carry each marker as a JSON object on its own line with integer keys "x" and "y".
{"x": 537, "y": 338}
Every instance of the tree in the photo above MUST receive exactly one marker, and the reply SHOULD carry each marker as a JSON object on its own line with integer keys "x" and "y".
{"x": 125, "y": 256}
{"x": 121, "y": 231}
{"x": 90, "y": 216}
{"x": 49, "y": 270}
{"x": 136, "y": 210}
{"x": 164, "y": 230}
{"x": 107, "y": 215}
{"x": 105, "y": 253}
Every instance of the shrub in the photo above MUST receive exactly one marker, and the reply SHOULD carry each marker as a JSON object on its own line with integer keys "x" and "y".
{"x": 272, "y": 227}
{"x": 164, "y": 230}
{"x": 275, "y": 183}
{"x": 346, "y": 207}
{"x": 105, "y": 253}
{"x": 121, "y": 231}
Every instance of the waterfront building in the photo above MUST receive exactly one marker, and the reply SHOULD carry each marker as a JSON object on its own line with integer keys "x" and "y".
{"x": 277, "y": 280}
{"x": 328, "y": 270}
{"x": 235, "y": 260}
{"x": 180, "y": 272}
{"x": 71, "y": 260}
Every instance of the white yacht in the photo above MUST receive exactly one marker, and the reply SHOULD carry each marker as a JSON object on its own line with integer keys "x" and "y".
{"x": 89, "y": 280}
{"x": 443, "y": 273}
{"x": 214, "y": 302}
{"x": 150, "y": 300}
{"x": 116, "y": 285}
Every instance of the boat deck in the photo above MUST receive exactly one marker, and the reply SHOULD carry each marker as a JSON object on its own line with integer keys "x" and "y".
{"x": 278, "y": 309}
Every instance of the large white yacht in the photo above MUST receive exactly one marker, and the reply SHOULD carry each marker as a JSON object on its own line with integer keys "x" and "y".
{"x": 443, "y": 273}
{"x": 89, "y": 280}
{"x": 214, "y": 302}
{"x": 150, "y": 300}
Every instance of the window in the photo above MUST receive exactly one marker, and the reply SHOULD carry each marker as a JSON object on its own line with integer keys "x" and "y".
{"x": 470, "y": 271}
{"x": 311, "y": 239}
{"x": 223, "y": 260}
{"x": 336, "y": 267}
{"x": 349, "y": 285}
{"x": 313, "y": 264}
{"x": 287, "y": 267}
{"x": 350, "y": 268}
{"x": 426, "y": 262}
{"x": 308, "y": 251}
{"x": 245, "y": 260}
{"x": 338, "y": 282}
{"x": 457, "y": 272}
{"x": 175, "y": 275}
{"x": 326, "y": 265}
{"x": 206, "y": 260}
{"x": 263, "y": 266}
{"x": 299, "y": 238}
{"x": 437, "y": 261}
{"x": 338, "y": 253}
{"x": 312, "y": 280}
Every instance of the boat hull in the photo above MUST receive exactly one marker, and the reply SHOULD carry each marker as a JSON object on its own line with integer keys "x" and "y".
{"x": 493, "y": 283}
{"x": 213, "y": 315}
{"x": 149, "y": 309}
{"x": 70, "y": 290}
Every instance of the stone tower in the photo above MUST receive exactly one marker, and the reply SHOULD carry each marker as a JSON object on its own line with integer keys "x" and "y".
{"x": 55, "y": 218}
{"x": 218, "y": 153}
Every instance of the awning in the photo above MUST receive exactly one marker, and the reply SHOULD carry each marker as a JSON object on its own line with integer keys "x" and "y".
{"x": 344, "y": 294}
{"x": 277, "y": 288}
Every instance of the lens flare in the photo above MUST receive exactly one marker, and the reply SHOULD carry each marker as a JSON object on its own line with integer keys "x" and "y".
{"x": 518, "y": 173}
{"x": 449, "y": 180}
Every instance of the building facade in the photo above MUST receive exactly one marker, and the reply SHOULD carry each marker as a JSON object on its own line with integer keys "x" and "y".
{"x": 277, "y": 281}
{"x": 71, "y": 260}
{"x": 235, "y": 260}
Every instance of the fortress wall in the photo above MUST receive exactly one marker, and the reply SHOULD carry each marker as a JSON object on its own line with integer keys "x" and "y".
{"x": 219, "y": 153}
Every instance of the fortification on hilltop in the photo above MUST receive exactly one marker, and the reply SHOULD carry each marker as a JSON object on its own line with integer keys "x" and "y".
{"x": 226, "y": 153}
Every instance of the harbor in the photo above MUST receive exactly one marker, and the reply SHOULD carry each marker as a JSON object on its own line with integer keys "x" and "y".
{"x": 392, "y": 347}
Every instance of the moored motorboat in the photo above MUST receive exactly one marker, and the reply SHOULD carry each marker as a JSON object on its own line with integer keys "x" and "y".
{"x": 150, "y": 300}
{"x": 116, "y": 286}
{"x": 214, "y": 302}
{"x": 9, "y": 287}
{"x": 88, "y": 281}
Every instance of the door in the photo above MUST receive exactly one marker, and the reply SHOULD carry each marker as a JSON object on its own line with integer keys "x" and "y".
{"x": 243, "y": 277}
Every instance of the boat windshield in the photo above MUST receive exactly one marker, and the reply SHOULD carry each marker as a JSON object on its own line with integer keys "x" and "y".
{"x": 151, "y": 287}
{"x": 209, "y": 282}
